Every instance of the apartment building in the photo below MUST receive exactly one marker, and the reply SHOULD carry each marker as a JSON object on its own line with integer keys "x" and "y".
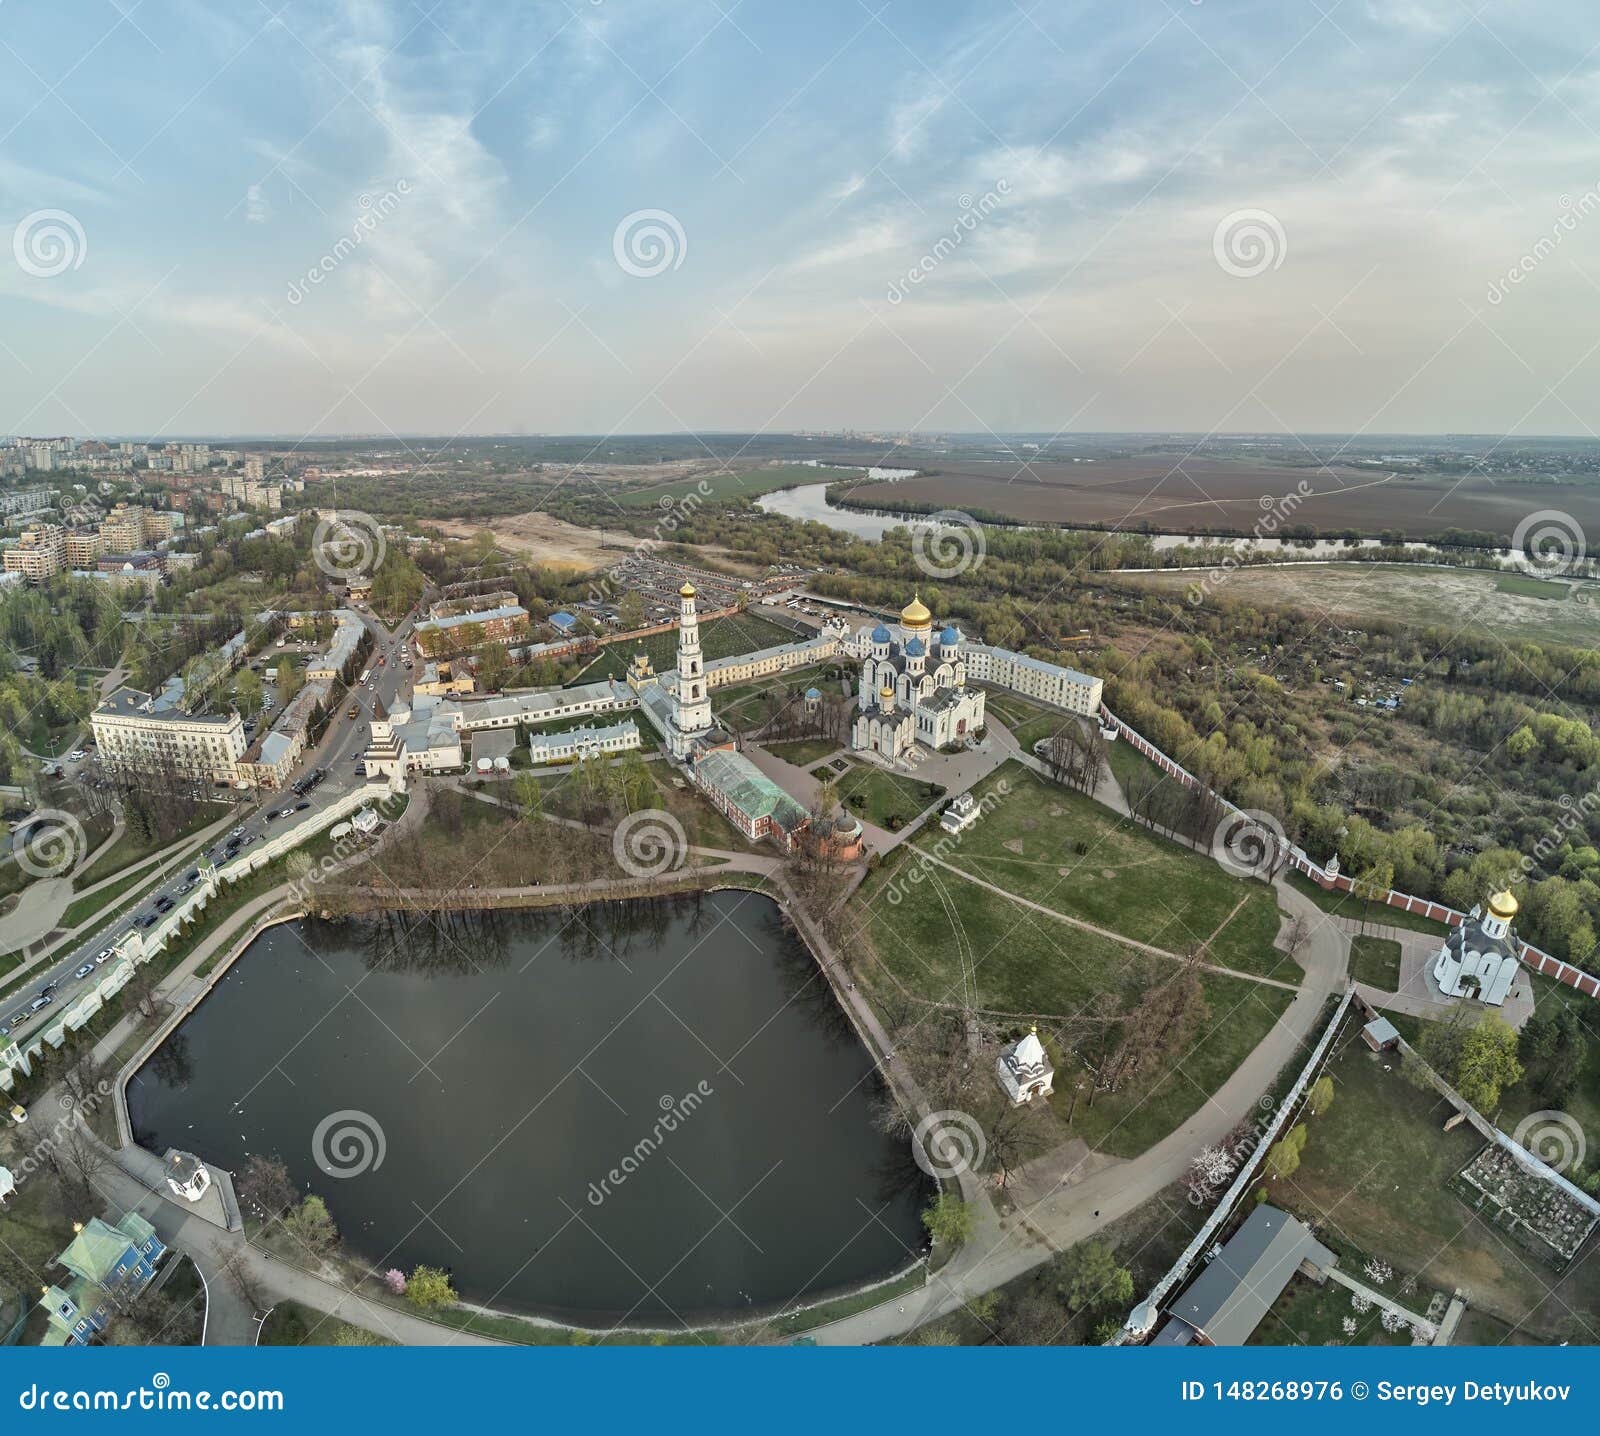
{"x": 137, "y": 733}
{"x": 39, "y": 554}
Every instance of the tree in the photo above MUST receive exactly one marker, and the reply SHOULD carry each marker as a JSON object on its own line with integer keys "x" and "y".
{"x": 1487, "y": 1063}
{"x": 949, "y": 1219}
{"x": 429, "y": 1287}
{"x": 1090, "y": 1279}
{"x": 248, "y": 693}
{"x": 1284, "y": 1158}
{"x": 529, "y": 793}
{"x": 311, "y": 1227}
{"x": 263, "y": 1187}
{"x": 1320, "y": 1097}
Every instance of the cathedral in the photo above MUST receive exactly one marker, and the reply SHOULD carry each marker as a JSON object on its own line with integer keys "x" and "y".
{"x": 914, "y": 688}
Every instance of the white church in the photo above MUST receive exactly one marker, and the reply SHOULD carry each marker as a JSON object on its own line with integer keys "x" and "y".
{"x": 914, "y": 688}
{"x": 1479, "y": 958}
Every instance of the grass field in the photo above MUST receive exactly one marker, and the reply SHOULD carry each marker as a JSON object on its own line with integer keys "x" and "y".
{"x": 743, "y": 706}
{"x": 747, "y": 484}
{"x": 1125, "y": 878}
{"x": 1028, "y": 722}
{"x": 875, "y": 795}
{"x": 1306, "y": 1314}
{"x": 85, "y": 907}
{"x": 1406, "y": 594}
{"x": 1526, "y": 587}
{"x": 1373, "y": 1175}
{"x": 291, "y": 1324}
{"x": 720, "y": 638}
{"x": 946, "y": 934}
{"x": 1375, "y": 960}
{"x": 1347, "y": 905}
{"x": 129, "y": 849}
{"x": 802, "y": 751}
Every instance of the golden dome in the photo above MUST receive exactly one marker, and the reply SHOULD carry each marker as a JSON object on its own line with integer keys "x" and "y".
{"x": 1503, "y": 905}
{"x": 886, "y": 691}
{"x": 687, "y": 591}
{"x": 915, "y": 614}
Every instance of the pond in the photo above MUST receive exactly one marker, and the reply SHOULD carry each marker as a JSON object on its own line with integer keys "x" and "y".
{"x": 639, "y": 1112}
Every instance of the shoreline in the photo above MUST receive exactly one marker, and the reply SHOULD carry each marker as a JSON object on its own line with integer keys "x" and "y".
{"x": 485, "y": 900}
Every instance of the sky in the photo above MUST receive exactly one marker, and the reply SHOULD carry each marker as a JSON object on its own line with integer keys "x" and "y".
{"x": 594, "y": 216}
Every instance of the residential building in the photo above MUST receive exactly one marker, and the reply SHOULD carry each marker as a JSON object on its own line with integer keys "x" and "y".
{"x": 138, "y": 734}
{"x": 39, "y": 554}
{"x": 503, "y": 624}
{"x": 109, "y": 1268}
{"x": 588, "y": 742}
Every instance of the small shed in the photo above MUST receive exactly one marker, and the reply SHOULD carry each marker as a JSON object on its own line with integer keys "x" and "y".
{"x": 1380, "y": 1035}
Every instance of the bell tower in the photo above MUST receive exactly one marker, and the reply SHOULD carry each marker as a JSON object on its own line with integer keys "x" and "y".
{"x": 691, "y": 709}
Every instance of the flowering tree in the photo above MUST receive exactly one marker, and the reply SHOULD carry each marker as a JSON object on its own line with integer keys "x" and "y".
{"x": 1377, "y": 1271}
{"x": 1392, "y": 1320}
{"x": 1361, "y": 1302}
{"x": 395, "y": 1280}
{"x": 1349, "y": 1324}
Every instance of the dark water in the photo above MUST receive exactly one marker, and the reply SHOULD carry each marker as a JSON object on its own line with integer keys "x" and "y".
{"x": 513, "y": 1060}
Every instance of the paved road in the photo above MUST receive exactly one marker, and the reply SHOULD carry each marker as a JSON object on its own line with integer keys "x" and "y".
{"x": 254, "y": 819}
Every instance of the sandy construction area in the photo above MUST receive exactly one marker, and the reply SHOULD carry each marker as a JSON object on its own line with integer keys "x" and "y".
{"x": 545, "y": 539}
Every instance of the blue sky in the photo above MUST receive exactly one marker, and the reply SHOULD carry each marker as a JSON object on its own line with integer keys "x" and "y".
{"x": 1060, "y": 180}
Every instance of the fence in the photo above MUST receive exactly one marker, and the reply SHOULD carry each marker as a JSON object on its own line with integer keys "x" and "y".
{"x": 136, "y": 946}
{"x": 1539, "y": 960}
{"x": 1144, "y": 1315}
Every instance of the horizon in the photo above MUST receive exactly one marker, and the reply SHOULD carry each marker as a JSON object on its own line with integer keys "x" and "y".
{"x": 354, "y": 216}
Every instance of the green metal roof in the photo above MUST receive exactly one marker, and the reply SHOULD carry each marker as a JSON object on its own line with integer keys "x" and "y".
{"x": 749, "y": 789}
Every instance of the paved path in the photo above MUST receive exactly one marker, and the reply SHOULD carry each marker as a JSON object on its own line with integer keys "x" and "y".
{"x": 1001, "y": 1250}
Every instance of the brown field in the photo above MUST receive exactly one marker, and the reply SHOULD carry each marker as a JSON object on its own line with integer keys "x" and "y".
{"x": 1173, "y": 494}
{"x": 545, "y": 539}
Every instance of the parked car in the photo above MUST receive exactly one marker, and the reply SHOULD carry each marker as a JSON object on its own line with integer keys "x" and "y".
{"x": 18, "y": 1018}
{"x": 104, "y": 955}
{"x": 148, "y": 920}
{"x": 42, "y": 1000}
{"x": 165, "y": 904}
{"x": 77, "y": 755}
{"x": 301, "y": 807}
{"x": 287, "y": 812}
{"x": 84, "y": 971}
{"x": 193, "y": 875}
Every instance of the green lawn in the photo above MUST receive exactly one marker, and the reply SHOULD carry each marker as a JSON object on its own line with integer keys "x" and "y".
{"x": 1028, "y": 722}
{"x": 1373, "y": 1177}
{"x": 129, "y": 849}
{"x": 1347, "y": 905}
{"x": 1524, "y": 587}
{"x": 1125, "y": 878}
{"x": 85, "y": 907}
{"x": 1024, "y": 962}
{"x": 748, "y": 484}
{"x": 1306, "y": 1314}
{"x": 889, "y": 800}
{"x": 291, "y": 1324}
{"x": 803, "y": 751}
{"x": 720, "y": 638}
{"x": 742, "y": 706}
{"x": 1376, "y": 960}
